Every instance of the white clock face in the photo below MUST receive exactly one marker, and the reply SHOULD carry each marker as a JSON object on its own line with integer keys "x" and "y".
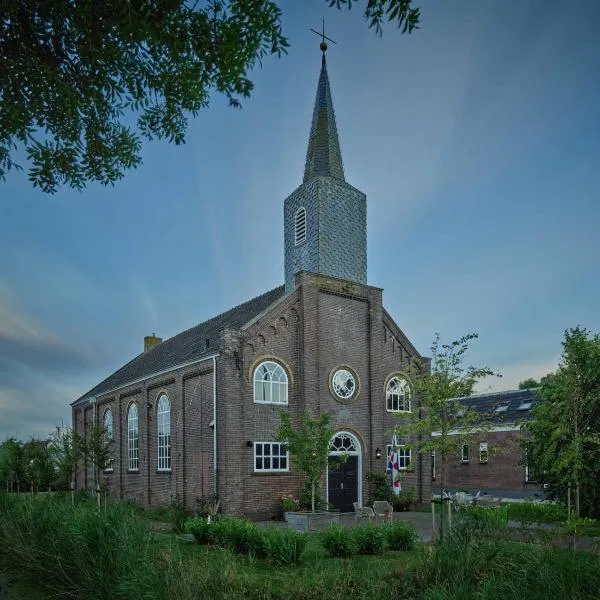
{"x": 343, "y": 384}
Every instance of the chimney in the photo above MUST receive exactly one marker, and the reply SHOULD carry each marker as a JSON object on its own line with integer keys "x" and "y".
{"x": 150, "y": 341}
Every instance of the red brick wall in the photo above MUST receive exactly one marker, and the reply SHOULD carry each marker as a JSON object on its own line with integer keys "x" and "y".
{"x": 502, "y": 471}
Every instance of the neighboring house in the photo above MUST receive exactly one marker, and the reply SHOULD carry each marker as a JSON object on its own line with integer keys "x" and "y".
{"x": 495, "y": 462}
{"x": 197, "y": 414}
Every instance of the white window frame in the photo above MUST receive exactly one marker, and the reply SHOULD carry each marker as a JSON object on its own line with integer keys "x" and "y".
{"x": 402, "y": 399}
{"x": 163, "y": 433}
{"x": 259, "y": 454}
{"x": 406, "y": 452}
{"x": 133, "y": 437}
{"x": 300, "y": 228}
{"x": 484, "y": 454}
{"x": 433, "y": 465}
{"x": 464, "y": 456}
{"x": 275, "y": 385}
{"x": 107, "y": 423}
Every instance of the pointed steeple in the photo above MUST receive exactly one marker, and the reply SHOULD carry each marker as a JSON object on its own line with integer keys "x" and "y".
{"x": 323, "y": 156}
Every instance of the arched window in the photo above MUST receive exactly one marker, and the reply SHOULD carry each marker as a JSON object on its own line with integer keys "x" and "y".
{"x": 397, "y": 395}
{"x": 133, "y": 438}
{"x": 108, "y": 423}
{"x": 300, "y": 226}
{"x": 270, "y": 383}
{"x": 163, "y": 420}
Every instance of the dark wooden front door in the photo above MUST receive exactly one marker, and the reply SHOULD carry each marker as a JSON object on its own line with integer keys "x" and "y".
{"x": 343, "y": 482}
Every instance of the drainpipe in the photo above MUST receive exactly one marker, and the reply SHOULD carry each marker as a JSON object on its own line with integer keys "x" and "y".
{"x": 214, "y": 359}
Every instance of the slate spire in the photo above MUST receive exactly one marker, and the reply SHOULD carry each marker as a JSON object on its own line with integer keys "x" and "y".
{"x": 323, "y": 156}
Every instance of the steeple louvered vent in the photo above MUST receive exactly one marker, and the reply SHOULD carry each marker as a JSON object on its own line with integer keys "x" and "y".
{"x": 300, "y": 226}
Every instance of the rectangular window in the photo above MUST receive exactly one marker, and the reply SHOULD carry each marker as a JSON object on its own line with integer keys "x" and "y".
{"x": 464, "y": 453}
{"x": 133, "y": 439}
{"x": 270, "y": 457}
{"x": 404, "y": 456}
{"x": 433, "y": 465}
{"x": 483, "y": 452}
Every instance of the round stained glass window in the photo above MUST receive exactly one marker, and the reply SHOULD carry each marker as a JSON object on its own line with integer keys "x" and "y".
{"x": 343, "y": 383}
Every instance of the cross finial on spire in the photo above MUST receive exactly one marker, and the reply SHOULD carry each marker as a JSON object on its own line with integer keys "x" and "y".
{"x": 323, "y": 44}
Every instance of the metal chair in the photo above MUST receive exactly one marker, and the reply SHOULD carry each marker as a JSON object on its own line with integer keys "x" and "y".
{"x": 362, "y": 512}
{"x": 383, "y": 509}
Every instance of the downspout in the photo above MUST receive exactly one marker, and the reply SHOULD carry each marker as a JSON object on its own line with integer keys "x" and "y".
{"x": 214, "y": 359}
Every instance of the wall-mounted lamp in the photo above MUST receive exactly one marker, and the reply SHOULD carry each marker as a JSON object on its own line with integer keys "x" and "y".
{"x": 249, "y": 444}
{"x": 378, "y": 453}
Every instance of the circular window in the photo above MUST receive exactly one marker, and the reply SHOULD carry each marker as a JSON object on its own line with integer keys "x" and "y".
{"x": 343, "y": 384}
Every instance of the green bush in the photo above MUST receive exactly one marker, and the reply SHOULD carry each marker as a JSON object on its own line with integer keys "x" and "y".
{"x": 177, "y": 513}
{"x": 201, "y": 529}
{"x": 401, "y": 535}
{"x": 305, "y": 497}
{"x": 405, "y": 500}
{"x": 238, "y": 535}
{"x": 284, "y": 547}
{"x": 337, "y": 541}
{"x": 368, "y": 539}
{"x": 379, "y": 487}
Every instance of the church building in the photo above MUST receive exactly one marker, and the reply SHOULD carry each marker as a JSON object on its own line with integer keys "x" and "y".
{"x": 197, "y": 414}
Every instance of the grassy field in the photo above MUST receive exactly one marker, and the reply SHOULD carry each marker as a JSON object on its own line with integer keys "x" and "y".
{"x": 80, "y": 553}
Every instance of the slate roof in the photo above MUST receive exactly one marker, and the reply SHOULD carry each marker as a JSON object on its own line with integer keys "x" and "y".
{"x": 187, "y": 346}
{"x": 516, "y": 402}
{"x": 323, "y": 156}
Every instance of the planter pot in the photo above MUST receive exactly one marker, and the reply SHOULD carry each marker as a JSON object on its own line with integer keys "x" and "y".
{"x": 311, "y": 521}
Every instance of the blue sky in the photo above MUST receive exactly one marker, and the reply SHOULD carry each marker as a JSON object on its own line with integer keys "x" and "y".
{"x": 476, "y": 140}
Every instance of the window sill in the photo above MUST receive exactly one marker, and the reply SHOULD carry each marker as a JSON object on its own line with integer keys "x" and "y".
{"x": 465, "y": 462}
{"x": 271, "y": 403}
{"x": 271, "y": 472}
{"x": 402, "y": 412}
{"x": 133, "y": 470}
{"x": 108, "y": 471}
{"x": 168, "y": 471}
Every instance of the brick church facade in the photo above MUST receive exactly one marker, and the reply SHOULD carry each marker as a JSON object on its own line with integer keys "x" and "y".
{"x": 197, "y": 414}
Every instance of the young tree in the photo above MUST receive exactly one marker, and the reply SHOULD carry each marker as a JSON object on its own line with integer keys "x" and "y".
{"x": 13, "y": 465}
{"x": 72, "y": 75}
{"x": 436, "y": 389}
{"x": 66, "y": 450}
{"x": 308, "y": 446}
{"x": 39, "y": 468}
{"x": 98, "y": 448}
{"x": 565, "y": 429}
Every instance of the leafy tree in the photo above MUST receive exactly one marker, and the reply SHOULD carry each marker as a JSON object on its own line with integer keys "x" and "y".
{"x": 98, "y": 449}
{"x": 66, "y": 449}
{"x": 308, "y": 446}
{"x": 565, "y": 429}
{"x": 82, "y": 82}
{"x": 528, "y": 384}
{"x": 12, "y": 463}
{"x": 437, "y": 388}
{"x": 38, "y": 465}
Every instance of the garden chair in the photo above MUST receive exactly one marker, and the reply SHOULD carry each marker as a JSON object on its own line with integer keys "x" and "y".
{"x": 361, "y": 512}
{"x": 383, "y": 509}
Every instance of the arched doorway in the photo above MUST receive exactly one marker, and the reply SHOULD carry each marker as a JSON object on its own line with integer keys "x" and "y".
{"x": 344, "y": 471}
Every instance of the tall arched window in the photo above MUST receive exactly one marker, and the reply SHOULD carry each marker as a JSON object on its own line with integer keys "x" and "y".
{"x": 107, "y": 422}
{"x": 163, "y": 420}
{"x": 300, "y": 226}
{"x": 397, "y": 395}
{"x": 133, "y": 438}
{"x": 270, "y": 383}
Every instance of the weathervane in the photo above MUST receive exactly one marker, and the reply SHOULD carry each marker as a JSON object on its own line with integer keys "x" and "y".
{"x": 323, "y": 44}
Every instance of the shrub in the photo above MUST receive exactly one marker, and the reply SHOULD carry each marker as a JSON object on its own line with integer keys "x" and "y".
{"x": 177, "y": 514}
{"x": 379, "y": 487}
{"x": 238, "y": 535}
{"x": 405, "y": 500}
{"x": 201, "y": 529}
{"x": 401, "y": 535}
{"x": 305, "y": 497}
{"x": 368, "y": 539}
{"x": 289, "y": 502}
{"x": 283, "y": 546}
{"x": 337, "y": 541}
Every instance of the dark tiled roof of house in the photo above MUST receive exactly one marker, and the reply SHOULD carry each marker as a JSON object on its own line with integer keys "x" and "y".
{"x": 512, "y": 406}
{"x": 187, "y": 346}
